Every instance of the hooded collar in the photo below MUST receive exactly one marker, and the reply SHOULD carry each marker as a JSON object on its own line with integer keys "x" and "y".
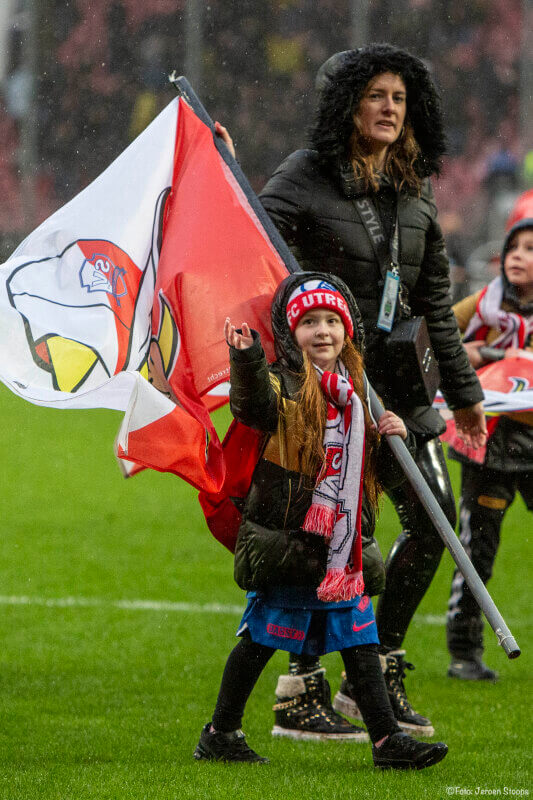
{"x": 510, "y": 295}
{"x": 340, "y": 83}
{"x": 287, "y": 351}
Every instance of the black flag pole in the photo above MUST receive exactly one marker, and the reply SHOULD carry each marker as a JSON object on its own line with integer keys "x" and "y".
{"x": 402, "y": 454}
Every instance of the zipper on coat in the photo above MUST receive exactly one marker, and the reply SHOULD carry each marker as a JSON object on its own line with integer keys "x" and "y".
{"x": 288, "y": 504}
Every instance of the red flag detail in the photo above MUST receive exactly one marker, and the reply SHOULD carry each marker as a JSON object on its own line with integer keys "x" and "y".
{"x": 216, "y": 261}
{"x": 242, "y": 448}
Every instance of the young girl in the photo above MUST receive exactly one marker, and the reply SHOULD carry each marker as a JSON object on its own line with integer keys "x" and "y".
{"x": 314, "y": 489}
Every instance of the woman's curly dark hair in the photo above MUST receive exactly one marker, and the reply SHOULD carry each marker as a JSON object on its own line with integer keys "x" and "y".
{"x": 341, "y": 82}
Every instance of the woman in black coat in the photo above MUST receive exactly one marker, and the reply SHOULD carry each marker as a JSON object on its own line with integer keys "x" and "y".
{"x": 378, "y": 136}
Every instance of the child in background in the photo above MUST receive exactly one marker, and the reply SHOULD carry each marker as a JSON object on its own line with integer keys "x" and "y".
{"x": 314, "y": 491}
{"x": 499, "y": 316}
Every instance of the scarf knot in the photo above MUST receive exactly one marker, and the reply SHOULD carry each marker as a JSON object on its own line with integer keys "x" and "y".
{"x": 335, "y": 511}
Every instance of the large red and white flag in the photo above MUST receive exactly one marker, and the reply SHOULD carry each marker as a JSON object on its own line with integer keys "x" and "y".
{"x": 118, "y": 299}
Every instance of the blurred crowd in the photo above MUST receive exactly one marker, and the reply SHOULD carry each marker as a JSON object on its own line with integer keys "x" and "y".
{"x": 103, "y": 67}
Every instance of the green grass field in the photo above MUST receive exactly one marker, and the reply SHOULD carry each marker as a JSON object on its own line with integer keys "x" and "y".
{"x": 111, "y": 657}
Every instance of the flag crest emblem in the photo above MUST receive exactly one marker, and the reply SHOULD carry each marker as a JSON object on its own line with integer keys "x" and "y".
{"x": 99, "y": 274}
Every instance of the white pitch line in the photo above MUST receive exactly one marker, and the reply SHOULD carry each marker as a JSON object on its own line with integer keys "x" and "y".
{"x": 148, "y": 605}
{"x": 128, "y": 605}
{"x": 159, "y": 605}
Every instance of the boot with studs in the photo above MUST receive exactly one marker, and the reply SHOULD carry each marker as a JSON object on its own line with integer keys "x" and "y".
{"x": 394, "y": 667}
{"x": 303, "y": 710}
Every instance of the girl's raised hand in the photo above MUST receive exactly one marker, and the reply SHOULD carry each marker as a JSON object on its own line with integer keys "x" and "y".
{"x": 390, "y": 424}
{"x": 240, "y": 341}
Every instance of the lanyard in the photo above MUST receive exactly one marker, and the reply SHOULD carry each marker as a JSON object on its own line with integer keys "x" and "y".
{"x": 387, "y": 257}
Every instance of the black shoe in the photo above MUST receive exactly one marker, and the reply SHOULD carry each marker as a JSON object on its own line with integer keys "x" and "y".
{"x": 400, "y": 751}
{"x": 304, "y": 710}
{"x": 471, "y": 670}
{"x": 218, "y": 746}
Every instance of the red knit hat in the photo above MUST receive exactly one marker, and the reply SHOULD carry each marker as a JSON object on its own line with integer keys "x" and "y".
{"x": 317, "y": 294}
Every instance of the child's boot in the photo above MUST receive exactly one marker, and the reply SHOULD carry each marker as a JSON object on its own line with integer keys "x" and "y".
{"x": 393, "y": 666}
{"x": 303, "y": 710}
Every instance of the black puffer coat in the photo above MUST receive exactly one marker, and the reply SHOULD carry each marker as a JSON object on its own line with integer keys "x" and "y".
{"x": 280, "y": 495}
{"x": 310, "y": 199}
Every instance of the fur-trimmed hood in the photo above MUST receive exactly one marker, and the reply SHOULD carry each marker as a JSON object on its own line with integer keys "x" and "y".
{"x": 340, "y": 83}
{"x": 287, "y": 351}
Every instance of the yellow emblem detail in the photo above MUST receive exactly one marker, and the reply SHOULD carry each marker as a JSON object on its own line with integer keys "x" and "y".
{"x": 144, "y": 371}
{"x": 71, "y": 361}
{"x": 167, "y": 337}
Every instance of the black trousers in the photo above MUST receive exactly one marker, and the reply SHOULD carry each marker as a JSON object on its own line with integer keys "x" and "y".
{"x": 416, "y": 553}
{"x": 486, "y": 494}
{"x": 248, "y": 659}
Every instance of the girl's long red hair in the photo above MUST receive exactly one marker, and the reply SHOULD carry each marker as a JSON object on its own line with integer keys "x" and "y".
{"x": 310, "y": 421}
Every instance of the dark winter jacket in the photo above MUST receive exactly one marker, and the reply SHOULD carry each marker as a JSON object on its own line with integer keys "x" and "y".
{"x": 310, "y": 199}
{"x": 280, "y": 495}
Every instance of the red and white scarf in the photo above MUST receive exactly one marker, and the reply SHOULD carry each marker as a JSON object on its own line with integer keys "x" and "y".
{"x": 514, "y": 328}
{"x": 335, "y": 511}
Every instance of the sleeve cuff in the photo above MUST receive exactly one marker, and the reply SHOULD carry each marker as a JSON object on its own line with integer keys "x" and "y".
{"x": 253, "y": 353}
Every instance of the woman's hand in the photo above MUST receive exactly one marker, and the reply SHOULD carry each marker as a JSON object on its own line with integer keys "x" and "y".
{"x": 472, "y": 351}
{"x": 221, "y": 131}
{"x": 390, "y": 424}
{"x": 470, "y": 425}
{"x": 240, "y": 341}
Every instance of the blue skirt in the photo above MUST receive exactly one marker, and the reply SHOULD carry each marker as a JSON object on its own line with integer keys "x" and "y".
{"x": 296, "y": 621}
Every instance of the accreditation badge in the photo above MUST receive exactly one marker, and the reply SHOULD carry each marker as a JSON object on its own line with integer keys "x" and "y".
{"x": 389, "y": 299}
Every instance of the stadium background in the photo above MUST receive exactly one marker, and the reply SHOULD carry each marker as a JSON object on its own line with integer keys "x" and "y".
{"x": 81, "y": 78}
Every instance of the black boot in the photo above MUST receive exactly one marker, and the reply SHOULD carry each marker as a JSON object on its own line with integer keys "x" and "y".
{"x": 400, "y": 751}
{"x": 393, "y": 666}
{"x": 304, "y": 711}
{"x": 464, "y": 636}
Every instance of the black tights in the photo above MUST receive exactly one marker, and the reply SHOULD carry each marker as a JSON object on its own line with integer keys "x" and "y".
{"x": 248, "y": 659}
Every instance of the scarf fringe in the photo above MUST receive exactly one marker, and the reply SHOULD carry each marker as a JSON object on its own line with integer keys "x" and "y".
{"x": 320, "y": 520}
{"x": 339, "y": 585}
